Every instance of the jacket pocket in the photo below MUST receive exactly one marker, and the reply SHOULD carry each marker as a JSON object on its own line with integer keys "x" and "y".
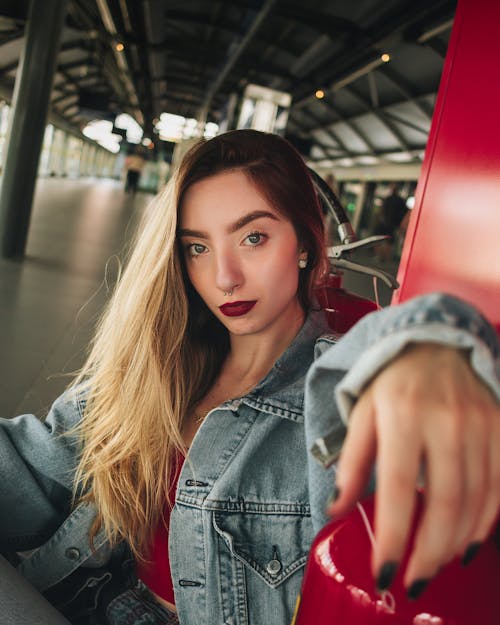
{"x": 261, "y": 562}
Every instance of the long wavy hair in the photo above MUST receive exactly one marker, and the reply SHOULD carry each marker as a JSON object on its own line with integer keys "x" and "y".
{"x": 158, "y": 349}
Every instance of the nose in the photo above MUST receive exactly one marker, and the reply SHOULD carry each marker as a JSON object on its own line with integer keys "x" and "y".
{"x": 228, "y": 271}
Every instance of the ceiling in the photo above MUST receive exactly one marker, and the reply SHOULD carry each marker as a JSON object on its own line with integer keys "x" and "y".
{"x": 187, "y": 57}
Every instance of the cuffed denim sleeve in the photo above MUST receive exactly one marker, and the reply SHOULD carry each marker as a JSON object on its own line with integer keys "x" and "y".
{"x": 435, "y": 318}
{"x": 37, "y": 464}
{"x": 337, "y": 377}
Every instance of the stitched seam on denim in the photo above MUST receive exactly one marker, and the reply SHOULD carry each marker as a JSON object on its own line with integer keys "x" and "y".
{"x": 249, "y": 507}
{"x": 274, "y": 409}
{"x": 252, "y": 565}
{"x": 273, "y": 581}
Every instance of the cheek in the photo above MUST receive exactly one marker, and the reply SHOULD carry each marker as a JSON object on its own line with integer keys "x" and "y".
{"x": 195, "y": 276}
{"x": 284, "y": 271}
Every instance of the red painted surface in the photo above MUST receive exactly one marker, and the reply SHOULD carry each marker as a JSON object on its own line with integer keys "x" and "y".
{"x": 338, "y": 587}
{"x": 453, "y": 240}
{"x": 342, "y": 308}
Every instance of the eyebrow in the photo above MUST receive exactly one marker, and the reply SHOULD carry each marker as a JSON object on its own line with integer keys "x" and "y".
{"x": 237, "y": 225}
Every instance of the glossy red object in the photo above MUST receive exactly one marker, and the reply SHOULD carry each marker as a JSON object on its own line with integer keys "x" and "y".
{"x": 342, "y": 308}
{"x": 339, "y": 589}
{"x": 453, "y": 241}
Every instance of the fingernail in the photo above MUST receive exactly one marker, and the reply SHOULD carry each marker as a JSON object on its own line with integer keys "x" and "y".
{"x": 470, "y": 553}
{"x": 417, "y": 588}
{"x": 386, "y": 575}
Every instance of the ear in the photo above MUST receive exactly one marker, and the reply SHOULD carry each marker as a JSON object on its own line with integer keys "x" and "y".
{"x": 302, "y": 259}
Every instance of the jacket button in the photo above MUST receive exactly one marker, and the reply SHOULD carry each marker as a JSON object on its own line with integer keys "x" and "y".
{"x": 273, "y": 567}
{"x": 72, "y": 553}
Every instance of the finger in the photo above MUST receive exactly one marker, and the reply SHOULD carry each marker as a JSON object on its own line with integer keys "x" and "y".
{"x": 491, "y": 504}
{"x": 398, "y": 462}
{"x": 476, "y": 478}
{"x": 437, "y": 532}
{"x": 356, "y": 459}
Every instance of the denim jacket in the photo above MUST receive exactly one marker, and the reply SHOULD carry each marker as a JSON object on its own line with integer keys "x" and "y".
{"x": 248, "y": 502}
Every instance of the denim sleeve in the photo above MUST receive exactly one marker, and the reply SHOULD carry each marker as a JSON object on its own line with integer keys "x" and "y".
{"x": 336, "y": 378}
{"x": 37, "y": 464}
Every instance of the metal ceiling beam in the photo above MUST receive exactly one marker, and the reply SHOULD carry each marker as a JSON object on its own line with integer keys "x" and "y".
{"x": 380, "y": 114}
{"x": 437, "y": 46}
{"x": 327, "y": 149}
{"x": 79, "y": 63}
{"x": 402, "y": 121}
{"x": 233, "y": 55}
{"x": 327, "y": 131}
{"x": 387, "y": 113}
{"x": 70, "y": 45}
{"x": 62, "y": 98}
{"x": 11, "y": 36}
{"x": 224, "y": 26}
{"x": 406, "y": 122}
{"x": 348, "y": 122}
{"x": 369, "y": 65}
{"x": 434, "y": 32}
{"x": 405, "y": 89}
{"x": 321, "y": 21}
{"x": 378, "y": 153}
{"x": 365, "y": 50}
{"x": 120, "y": 59}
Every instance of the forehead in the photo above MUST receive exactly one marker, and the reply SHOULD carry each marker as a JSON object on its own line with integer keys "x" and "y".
{"x": 226, "y": 196}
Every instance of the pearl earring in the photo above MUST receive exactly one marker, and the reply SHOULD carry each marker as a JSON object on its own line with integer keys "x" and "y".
{"x": 302, "y": 263}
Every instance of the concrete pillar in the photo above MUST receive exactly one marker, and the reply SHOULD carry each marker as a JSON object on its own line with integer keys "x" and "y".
{"x": 30, "y": 105}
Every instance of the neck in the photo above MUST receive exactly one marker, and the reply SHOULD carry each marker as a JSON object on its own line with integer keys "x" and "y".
{"x": 252, "y": 356}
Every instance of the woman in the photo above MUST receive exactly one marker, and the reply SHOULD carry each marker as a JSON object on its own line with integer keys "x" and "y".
{"x": 202, "y": 354}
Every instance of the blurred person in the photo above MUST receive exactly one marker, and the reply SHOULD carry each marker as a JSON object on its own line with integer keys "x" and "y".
{"x": 134, "y": 164}
{"x": 330, "y": 223}
{"x": 392, "y": 212}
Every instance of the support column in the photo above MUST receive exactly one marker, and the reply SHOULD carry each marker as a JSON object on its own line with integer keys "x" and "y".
{"x": 30, "y": 106}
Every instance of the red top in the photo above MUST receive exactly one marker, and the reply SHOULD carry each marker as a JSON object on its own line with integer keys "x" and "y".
{"x": 155, "y": 573}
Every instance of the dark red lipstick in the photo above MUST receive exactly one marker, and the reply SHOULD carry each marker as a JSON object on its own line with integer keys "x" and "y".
{"x": 237, "y": 309}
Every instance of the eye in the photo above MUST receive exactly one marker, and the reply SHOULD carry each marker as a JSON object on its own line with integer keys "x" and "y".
{"x": 254, "y": 239}
{"x": 195, "y": 249}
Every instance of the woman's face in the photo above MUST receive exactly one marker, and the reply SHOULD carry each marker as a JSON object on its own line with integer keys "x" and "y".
{"x": 233, "y": 240}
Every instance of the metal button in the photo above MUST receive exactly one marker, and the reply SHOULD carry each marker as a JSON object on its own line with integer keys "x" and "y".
{"x": 273, "y": 567}
{"x": 72, "y": 553}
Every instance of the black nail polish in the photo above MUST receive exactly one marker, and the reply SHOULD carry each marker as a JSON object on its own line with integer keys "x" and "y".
{"x": 386, "y": 575}
{"x": 417, "y": 588}
{"x": 333, "y": 497}
{"x": 470, "y": 553}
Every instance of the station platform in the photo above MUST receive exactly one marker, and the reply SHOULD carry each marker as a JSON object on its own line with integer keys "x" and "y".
{"x": 50, "y": 302}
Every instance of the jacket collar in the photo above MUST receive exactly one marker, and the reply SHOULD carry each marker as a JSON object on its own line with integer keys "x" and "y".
{"x": 284, "y": 384}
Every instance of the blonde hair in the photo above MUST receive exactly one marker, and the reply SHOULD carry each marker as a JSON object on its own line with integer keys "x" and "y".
{"x": 136, "y": 386}
{"x": 158, "y": 349}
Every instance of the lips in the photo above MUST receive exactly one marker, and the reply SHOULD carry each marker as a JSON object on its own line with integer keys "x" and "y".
{"x": 237, "y": 309}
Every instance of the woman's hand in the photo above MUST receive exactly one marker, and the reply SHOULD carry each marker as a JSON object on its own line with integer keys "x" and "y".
{"x": 424, "y": 415}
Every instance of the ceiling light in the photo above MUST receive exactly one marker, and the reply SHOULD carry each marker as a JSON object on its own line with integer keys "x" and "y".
{"x": 120, "y": 47}
{"x": 386, "y": 57}
{"x": 320, "y": 94}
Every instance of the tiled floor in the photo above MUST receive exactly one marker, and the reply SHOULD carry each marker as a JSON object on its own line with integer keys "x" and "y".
{"x": 49, "y": 303}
